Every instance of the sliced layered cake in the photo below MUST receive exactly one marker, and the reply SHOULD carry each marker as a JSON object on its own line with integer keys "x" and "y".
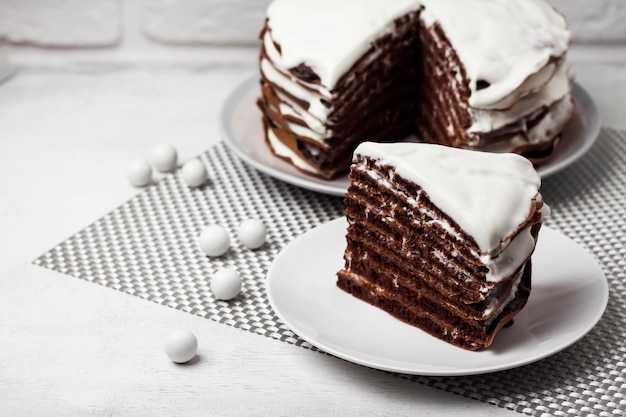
{"x": 477, "y": 74}
{"x": 441, "y": 237}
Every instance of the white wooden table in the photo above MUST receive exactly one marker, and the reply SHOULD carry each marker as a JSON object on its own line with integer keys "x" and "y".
{"x": 69, "y": 347}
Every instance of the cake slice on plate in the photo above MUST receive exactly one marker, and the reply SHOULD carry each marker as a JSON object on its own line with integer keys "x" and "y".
{"x": 441, "y": 237}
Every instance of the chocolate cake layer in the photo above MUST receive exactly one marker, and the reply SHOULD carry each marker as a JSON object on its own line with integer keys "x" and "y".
{"x": 443, "y": 115}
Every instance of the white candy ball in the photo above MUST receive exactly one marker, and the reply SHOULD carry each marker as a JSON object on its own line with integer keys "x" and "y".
{"x": 164, "y": 157}
{"x": 194, "y": 173}
{"x": 226, "y": 284}
{"x": 181, "y": 346}
{"x": 214, "y": 240}
{"x": 139, "y": 173}
{"x": 252, "y": 233}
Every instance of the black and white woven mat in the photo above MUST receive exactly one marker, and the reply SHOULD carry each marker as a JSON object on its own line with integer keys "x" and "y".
{"x": 148, "y": 248}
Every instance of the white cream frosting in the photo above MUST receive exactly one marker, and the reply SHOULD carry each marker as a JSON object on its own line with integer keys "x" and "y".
{"x": 282, "y": 150}
{"x": 488, "y": 195}
{"x": 316, "y": 108}
{"x": 503, "y": 42}
{"x": 330, "y": 35}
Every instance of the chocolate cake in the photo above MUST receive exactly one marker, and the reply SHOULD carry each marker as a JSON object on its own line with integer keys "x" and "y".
{"x": 441, "y": 237}
{"x": 477, "y": 74}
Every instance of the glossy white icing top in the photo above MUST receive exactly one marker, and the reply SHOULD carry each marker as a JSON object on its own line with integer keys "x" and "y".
{"x": 499, "y": 41}
{"x": 330, "y": 35}
{"x": 488, "y": 195}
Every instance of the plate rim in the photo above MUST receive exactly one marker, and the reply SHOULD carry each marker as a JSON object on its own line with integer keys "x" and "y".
{"x": 589, "y": 110}
{"x": 585, "y": 108}
{"x": 582, "y": 332}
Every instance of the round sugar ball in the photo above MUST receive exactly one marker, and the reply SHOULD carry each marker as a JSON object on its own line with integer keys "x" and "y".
{"x": 194, "y": 173}
{"x": 252, "y": 233}
{"x": 226, "y": 284}
{"x": 164, "y": 157}
{"x": 139, "y": 173}
{"x": 214, "y": 240}
{"x": 181, "y": 346}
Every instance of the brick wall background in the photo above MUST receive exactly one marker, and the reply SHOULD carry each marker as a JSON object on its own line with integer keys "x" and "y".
{"x": 119, "y": 23}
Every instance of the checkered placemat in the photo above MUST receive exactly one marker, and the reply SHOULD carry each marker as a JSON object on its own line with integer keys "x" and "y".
{"x": 148, "y": 248}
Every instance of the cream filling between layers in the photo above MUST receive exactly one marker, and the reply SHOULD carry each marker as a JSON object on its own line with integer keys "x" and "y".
{"x": 543, "y": 132}
{"x": 501, "y": 262}
{"x": 556, "y": 89}
{"x": 494, "y": 305}
{"x": 510, "y": 258}
{"x": 313, "y": 129}
{"x": 316, "y": 108}
{"x": 275, "y": 57}
{"x": 282, "y": 150}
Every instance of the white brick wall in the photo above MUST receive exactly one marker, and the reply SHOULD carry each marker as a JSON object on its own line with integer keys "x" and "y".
{"x": 203, "y": 21}
{"x": 74, "y": 23}
{"x": 595, "y": 21}
{"x": 97, "y": 23}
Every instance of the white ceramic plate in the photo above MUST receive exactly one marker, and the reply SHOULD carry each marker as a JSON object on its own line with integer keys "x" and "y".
{"x": 242, "y": 131}
{"x": 569, "y": 295}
